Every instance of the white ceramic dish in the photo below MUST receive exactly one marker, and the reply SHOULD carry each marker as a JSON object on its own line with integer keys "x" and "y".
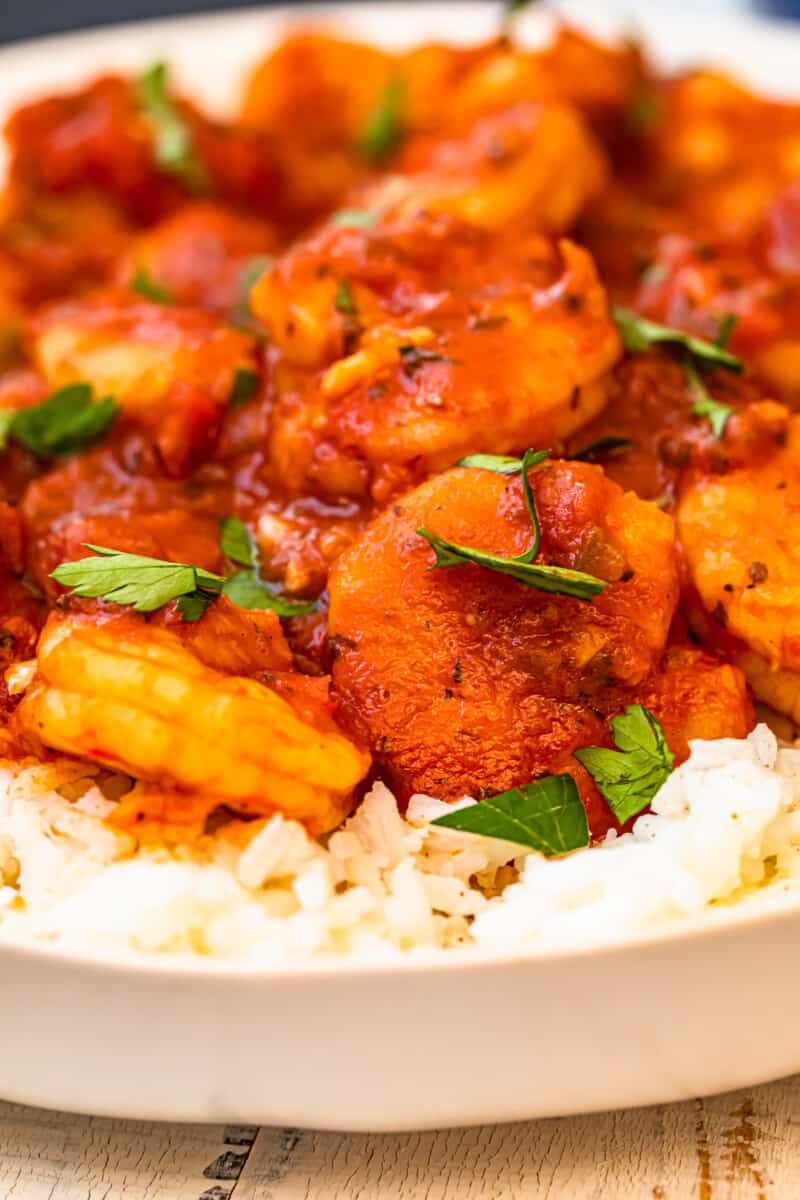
{"x": 438, "y": 1040}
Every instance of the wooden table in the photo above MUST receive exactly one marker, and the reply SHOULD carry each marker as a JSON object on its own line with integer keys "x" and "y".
{"x": 741, "y": 1146}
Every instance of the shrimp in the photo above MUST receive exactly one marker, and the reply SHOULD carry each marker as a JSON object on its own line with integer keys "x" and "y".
{"x": 137, "y": 698}
{"x": 531, "y": 167}
{"x": 171, "y": 369}
{"x": 200, "y": 255}
{"x": 465, "y": 681}
{"x": 394, "y": 358}
{"x": 740, "y": 533}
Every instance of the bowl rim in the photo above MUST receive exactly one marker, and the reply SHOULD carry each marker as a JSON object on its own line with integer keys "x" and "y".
{"x": 774, "y": 904}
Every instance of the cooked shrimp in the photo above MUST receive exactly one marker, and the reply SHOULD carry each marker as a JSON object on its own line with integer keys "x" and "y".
{"x": 136, "y": 699}
{"x": 172, "y": 369}
{"x": 465, "y": 681}
{"x": 531, "y": 167}
{"x": 201, "y": 255}
{"x": 422, "y": 362}
{"x": 740, "y": 533}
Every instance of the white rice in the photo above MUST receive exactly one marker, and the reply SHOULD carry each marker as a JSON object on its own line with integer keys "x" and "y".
{"x": 725, "y": 827}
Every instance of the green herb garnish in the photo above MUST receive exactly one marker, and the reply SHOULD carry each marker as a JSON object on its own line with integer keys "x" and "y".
{"x": 354, "y": 218}
{"x": 146, "y": 286}
{"x": 727, "y": 324}
{"x": 245, "y": 386}
{"x": 146, "y": 584}
{"x": 511, "y": 10}
{"x": 704, "y": 404}
{"x": 546, "y": 816}
{"x": 136, "y": 580}
{"x": 604, "y": 447}
{"x": 252, "y": 271}
{"x": 194, "y": 604}
{"x": 241, "y": 315}
{"x": 237, "y": 542}
{"x": 343, "y": 300}
{"x": 65, "y": 422}
{"x": 416, "y": 356}
{"x": 383, "y": 128}
{"x": 247, "y": 588}
{"x": 501, "y": 464}
{"x": 6, "y": 421}
{"x": 173, "y": 145}
{"x": 560, "y": 581}
{"x": 638, "y": 334}
{"x": 654, "y": 273}
{"x": 630, "y": 776}
{"x": 645, "y": 111}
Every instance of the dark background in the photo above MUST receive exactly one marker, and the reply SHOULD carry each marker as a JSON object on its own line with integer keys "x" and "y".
{"x": 29, "y": 18}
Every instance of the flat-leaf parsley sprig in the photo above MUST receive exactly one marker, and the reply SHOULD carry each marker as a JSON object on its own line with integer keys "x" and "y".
{"x": 630, "y": 776}
{"x": 173, "y": 145}
{"x": 146, "y": 584}
{"x": 383, "y": 129}
{"x": 548, "y": 815}
{"x": 638, "y": 334}
{"x": 65, "y": 422}
{"x": 143, "y": 583}
{"x": 246, "y": 588}
{"x": 560, "y": 581}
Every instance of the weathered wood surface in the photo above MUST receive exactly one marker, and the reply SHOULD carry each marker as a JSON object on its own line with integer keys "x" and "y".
{"x": 741, "y": 1146}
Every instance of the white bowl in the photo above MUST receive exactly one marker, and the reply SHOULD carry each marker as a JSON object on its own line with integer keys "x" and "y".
{"x": 440, "y": 1039}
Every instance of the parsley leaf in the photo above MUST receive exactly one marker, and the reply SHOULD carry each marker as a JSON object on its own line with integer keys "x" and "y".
{"x": 604, "y": 447}
{"x": 645, "y": 111}
{"x": 546, "y": 816}
{"x": 704, "y": 404}
{"x": 237, "y": 542}
{"x": 501, "y": 464}
{"x": 149, "y": 583}
{"x": 511, "y": 10}
{"x": 241, "y": 315}
{"x": 146, "y": 286}
{"x": 65, "y": 422}
{"x": 354, "y": 218}
{"x": 252, "y": 271}
{"x": 560, "y": 581}
{"x": 383, "y": 129}
{"x": 638, "y": 334}
{"x": 245, "y": 386}
{"x": 415, "y": 356}
{"x": 144, "y": 583}
{"x": 727, "y": 324}
{"x": 630, "y": 776}
{"x": 194, "y": 604}
{"x": 654, "y": 273}
{"x": 6, "y": 421}
{"x": 343, "y": 300}
{"x": 247, "y": 588}
{"x": 173, "y": 147}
